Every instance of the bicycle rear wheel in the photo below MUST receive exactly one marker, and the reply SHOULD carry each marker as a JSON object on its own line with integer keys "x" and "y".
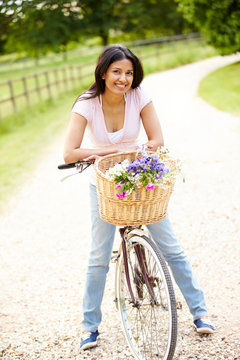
{"x": 149, "y": 325}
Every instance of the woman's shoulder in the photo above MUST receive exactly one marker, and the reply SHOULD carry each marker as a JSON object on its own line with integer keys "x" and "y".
{"x": 85, "y": 106}
{"x": 138, "y": 91}
{"x": 139, "y": 95}
{"x": 85, "y": 100}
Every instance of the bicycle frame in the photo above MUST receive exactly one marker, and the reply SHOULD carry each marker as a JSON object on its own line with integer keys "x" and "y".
{"x": 126, "y": 234}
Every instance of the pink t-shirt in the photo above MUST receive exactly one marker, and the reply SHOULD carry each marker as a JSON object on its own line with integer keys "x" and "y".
{"x": 91, "y": 110}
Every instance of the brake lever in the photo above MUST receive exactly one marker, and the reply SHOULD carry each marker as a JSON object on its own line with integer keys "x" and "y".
{"x": 79, "y": 167}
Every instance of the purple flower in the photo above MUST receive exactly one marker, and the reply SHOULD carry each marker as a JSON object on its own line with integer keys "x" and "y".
{"x": 150, "y": 187}
{"x": 159, "y": 175}
{"x": 133, "y": 166}
{"x": 118, "y": 186}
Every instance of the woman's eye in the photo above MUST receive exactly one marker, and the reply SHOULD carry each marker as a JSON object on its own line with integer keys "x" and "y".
{"x": 130, "y": 73}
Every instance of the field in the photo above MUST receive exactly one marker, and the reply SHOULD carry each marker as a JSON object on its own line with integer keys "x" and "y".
{"x": 222, "y": 89}
{"x": 31, "y": 83}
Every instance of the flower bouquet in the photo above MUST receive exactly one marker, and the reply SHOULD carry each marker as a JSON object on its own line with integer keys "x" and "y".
{"x": 150, "y": 169}
{"x": 134, "y": 188}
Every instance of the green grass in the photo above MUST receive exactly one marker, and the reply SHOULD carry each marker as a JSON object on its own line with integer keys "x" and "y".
{"x": 154, "y": 58}
{"x": 21, "y": 147}
{"x": 26, "y": 134}
{"x": 179, "y": 54}
{"x": 27, "y": 66}
{"x": 58, "y": 83}
{"x": 221, "y": 88}
{"x": 15, "y": 70}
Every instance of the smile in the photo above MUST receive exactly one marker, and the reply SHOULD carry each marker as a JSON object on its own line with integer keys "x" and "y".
{"x": 120, "y": 86}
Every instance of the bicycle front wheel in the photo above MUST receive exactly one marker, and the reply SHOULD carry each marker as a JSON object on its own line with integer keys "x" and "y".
{"x": 149, "y": 325}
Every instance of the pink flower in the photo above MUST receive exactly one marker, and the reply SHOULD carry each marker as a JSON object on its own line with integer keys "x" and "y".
{"x": 124, "y": 194}
{"x": 118, "y": 186}
{"x": 121, "y": 195}
{"x": 150, "y": 187}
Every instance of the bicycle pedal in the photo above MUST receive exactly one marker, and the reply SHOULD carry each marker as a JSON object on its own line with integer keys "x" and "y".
{"x": 114, "y": 256}
{"x": 179, "y": 305}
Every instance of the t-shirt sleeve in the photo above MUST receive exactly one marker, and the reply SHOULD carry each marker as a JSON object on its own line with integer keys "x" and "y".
{"x": 144, "y": 97}
{"x": 83, "y": 107}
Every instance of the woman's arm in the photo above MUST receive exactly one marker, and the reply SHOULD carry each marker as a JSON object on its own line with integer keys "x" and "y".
{"x": 73, "y": 141}
{"x": 152, "y": 127}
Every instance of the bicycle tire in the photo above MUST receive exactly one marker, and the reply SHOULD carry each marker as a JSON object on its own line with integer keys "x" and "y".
{"x": 150, "y": 329}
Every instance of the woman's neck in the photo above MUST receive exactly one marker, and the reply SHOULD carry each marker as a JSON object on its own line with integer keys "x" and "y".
{"x": 112, "y": 99}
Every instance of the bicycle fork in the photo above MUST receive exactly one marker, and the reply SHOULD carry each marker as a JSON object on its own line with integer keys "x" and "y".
{"x": 146, "y": 279}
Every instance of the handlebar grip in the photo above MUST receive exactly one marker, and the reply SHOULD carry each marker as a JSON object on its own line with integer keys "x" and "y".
{"x": 66, "y": 166}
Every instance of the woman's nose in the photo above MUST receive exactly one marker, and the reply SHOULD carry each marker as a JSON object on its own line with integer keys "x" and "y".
{"x": 123, "y": 77}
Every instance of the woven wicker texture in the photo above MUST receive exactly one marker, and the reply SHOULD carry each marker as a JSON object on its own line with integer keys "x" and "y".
{"x": 141, "y": 207}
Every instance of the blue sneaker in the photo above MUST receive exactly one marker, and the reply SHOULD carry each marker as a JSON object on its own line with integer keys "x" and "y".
{"x": 89, "y": 340}
{"x": 204, "y": 326}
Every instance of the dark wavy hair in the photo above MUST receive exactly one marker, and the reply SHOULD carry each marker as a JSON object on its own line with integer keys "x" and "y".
{"x": 111, "y": 54}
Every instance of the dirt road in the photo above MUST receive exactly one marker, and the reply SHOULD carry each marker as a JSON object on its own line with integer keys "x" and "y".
{"x": 45, "y": 239}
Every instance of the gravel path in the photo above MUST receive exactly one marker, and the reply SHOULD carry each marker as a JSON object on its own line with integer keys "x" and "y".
{"x": 45, "y": 237}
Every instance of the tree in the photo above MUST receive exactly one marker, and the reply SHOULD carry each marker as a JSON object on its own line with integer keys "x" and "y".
{"x": 99, "y": 17}
{"x": 131, "y": 16}
{"x": 219, "y": 20}
{"x": 6, "y": 18}
{"x": 38, "y": 26}
{"x": 159, "y": 16}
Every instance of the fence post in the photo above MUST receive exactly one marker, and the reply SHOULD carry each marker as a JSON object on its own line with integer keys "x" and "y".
{"x": 25, "y": 89}
{"x": 37, "y": 88}
{"x": 57, "y": 79}
{"x": 157, "y": 50}
{"x": 65, "y": 77}
{"x": 139, "y": 52}
{"x": 79, "y": 68}
{"x": 72, "y": 78}
{"x": 12, "y": 95}
{"x": 48, "y": 84}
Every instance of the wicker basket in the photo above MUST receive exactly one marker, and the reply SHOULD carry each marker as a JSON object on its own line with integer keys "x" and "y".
{"x": 141, "y": 207}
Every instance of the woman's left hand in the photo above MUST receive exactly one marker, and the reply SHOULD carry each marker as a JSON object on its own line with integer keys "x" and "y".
{"x": 152, "y": 145}
{"x": 130, "y": 148}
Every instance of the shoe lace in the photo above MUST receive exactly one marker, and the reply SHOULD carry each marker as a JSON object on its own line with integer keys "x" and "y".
{"x": 206, "y": 321}
{"x": 86, "y": 336}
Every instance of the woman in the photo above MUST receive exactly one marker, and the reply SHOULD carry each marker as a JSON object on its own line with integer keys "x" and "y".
{"x": 112, "y": 109}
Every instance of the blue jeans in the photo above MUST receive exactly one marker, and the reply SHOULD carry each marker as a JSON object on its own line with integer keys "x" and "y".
{"x": 100, "y": 255}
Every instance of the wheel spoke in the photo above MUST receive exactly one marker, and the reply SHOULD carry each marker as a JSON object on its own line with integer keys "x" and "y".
{"x": 149, "y": 325}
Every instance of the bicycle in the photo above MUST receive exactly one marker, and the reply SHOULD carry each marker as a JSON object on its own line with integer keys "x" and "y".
{"x": 144, "y": 293}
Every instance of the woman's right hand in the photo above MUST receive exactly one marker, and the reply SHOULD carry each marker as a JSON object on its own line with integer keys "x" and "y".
{"x": 92, "y": 157}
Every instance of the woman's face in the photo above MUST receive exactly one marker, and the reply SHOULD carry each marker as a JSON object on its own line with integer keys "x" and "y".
{"x": 119, "y": 77}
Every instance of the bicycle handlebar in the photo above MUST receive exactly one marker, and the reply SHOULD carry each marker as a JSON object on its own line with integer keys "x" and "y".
{"x": 76, "y": 164}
